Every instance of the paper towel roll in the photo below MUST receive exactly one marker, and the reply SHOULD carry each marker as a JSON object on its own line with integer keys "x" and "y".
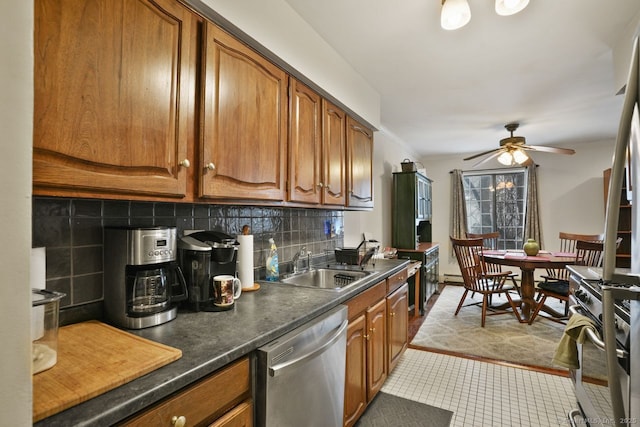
{"x": 245, "y": 260}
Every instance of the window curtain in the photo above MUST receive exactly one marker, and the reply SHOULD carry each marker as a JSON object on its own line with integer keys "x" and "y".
{"x": 532, "y": 228}
{"x": 458, "y": 224}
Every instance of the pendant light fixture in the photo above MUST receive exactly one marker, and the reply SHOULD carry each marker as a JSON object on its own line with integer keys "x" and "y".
{"x": 456, "y": 13}
{"x": 510, "y": 7}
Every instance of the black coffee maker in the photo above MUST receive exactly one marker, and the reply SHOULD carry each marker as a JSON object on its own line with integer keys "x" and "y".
{"x": 203, "y": 255}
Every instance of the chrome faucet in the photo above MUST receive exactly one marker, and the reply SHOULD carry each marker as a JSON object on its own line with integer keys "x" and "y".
{"x": 296, "y": 257}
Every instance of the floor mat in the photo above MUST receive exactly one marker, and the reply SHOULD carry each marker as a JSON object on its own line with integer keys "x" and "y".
{"x": 388, "y": 410}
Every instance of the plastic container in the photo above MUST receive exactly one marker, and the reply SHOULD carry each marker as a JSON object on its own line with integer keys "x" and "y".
{"x": 273, "y": 269}
{"x": 45, "y": 307}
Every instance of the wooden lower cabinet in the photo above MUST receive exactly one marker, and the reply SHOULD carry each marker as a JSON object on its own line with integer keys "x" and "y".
{"x": 355, "y": 395}
{"x": 240, "y": 416}
{"x": 366, "y": 364}
{"x": 222, "y": 399}
{"x": 398, "y": 323}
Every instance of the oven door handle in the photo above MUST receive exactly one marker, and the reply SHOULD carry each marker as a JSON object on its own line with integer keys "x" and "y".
{"x": 594, "y": 338}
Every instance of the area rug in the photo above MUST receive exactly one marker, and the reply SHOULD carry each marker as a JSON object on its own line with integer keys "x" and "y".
{"x": 388, "y": 410}
{"x": 503, "y": 337}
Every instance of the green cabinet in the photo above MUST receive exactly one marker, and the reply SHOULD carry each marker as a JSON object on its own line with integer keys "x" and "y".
{"x": 411, "y": 212}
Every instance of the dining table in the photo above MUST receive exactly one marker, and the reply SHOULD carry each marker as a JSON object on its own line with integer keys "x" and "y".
{"x": 527, "y": 265}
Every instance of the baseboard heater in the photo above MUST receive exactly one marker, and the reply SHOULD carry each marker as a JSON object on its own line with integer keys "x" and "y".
{"x": 453, "y": 279}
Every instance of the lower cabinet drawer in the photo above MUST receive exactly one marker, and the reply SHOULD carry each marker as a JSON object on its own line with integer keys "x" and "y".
{"x": 240, "y": 416}
{"x": 396, "y": 280}
{"x": 203, "y": 402}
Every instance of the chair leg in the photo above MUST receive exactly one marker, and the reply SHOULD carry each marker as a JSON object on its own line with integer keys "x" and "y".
{"x": 513, "y": 307}
{"x": 484, "y": 308}
{"x": 515, "y": 285}
{"x": 464, "y": 296}
{"x": 537, "y": 309}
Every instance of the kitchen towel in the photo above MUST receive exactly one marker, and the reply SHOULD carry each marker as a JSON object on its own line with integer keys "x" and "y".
{"x": 574, "y": 333}
{"x": 245, "y": 260}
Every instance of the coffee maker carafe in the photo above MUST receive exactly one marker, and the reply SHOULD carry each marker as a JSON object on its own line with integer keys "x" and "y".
{"x": 142, "y": 280}
{"x": 204, "y": 255}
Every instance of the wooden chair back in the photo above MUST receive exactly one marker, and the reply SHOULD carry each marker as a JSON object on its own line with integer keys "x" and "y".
{"x": 489, "y": 241}
{"x": 470, "y": 260}
{"x": 568, "y": 242}
{"x": 589, "y": 253}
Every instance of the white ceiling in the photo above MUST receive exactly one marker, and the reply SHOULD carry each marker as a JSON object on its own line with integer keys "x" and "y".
{"x": 550, "y": 68}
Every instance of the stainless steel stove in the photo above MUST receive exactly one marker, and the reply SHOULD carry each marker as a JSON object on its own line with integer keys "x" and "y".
{"x": 614, "y": 309}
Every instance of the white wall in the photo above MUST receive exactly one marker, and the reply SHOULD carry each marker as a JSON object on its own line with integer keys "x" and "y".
{"x": 388, "y": 153}
{"x": 16, "y": 111}
{"x": 570, "y": 187}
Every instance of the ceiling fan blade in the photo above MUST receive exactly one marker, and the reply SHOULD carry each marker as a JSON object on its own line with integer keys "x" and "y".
{"x": 475, "y": 156}
{"x": 486, "y": 159}
{"x": 555, "y": 150}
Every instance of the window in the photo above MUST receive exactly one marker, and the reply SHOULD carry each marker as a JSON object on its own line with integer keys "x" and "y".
{"x": 496, "y": 201}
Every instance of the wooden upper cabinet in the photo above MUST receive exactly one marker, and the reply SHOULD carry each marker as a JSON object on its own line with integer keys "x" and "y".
{"x": 305, "y": 143}
{"x": 334, "y": 123}
{"x": 244, "y": 113}
{"x": 112, "y": 87}
{"x": 317, "y": 148}
{"x": 359, "y": 165}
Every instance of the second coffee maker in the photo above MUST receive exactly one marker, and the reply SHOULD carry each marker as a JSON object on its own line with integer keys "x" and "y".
{"x": 204, "y": 255}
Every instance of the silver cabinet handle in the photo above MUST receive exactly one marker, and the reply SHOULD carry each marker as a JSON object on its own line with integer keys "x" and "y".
{"x": 185, "y": 163}
{"x": 319, "y": 185}
{"x": 210, "y": 166}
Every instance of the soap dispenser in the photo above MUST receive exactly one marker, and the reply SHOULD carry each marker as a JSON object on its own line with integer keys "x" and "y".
{"x": 273, "y": 270}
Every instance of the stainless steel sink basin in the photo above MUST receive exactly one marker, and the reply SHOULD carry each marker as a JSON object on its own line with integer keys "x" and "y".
{"x": 326, "y": 278}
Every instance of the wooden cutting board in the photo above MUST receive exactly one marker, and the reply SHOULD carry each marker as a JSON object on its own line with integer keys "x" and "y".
{"x": 94, "y": 358}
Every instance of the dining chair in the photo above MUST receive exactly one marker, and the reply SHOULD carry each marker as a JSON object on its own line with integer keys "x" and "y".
{"x": 490, "y": 241}
{"x": 477, "y": 277}
{"x": 588, "y": 253}
{"x": 568, "y": 245}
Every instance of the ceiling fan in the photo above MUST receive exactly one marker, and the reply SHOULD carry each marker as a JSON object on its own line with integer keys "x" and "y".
{"x": 512, "y": 150}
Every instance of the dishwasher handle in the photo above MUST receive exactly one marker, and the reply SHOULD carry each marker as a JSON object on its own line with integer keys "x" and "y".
{"x": 326, "y": 342}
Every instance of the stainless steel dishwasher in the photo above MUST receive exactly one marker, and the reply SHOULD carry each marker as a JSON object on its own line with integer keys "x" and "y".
{"x": 300, "y": 376}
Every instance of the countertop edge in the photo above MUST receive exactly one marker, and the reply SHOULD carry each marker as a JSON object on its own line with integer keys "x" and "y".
{"x": 124, "y": 401}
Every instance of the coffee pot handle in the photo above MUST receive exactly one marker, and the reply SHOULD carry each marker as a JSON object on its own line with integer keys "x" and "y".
{"x": 179, "y": 289}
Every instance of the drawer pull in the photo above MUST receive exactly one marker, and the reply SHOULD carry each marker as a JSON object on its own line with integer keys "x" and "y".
{"x": 180, "y": 421}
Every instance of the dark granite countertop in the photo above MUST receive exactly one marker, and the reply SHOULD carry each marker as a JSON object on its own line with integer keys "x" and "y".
{"x": 211, "y": 340}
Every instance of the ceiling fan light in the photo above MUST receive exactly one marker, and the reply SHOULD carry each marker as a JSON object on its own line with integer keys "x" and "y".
{"x": 519, "y": 156}
{"x": 510, "y": 7}
{"x": 506, "y": 158}
{"x": 455, "y": 14}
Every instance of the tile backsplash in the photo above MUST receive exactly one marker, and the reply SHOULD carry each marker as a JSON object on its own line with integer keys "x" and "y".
{"x": 71, "y": 231}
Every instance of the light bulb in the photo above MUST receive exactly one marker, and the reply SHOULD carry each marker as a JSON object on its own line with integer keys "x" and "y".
{"x": 519, "y": 156}
{"x": 455, "y": 14}
{"x": 510, "y": 7}
{"x": 506, "y": 158}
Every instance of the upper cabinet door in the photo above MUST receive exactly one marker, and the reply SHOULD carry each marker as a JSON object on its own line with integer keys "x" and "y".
{"x": 359, "y": 165}
{"x": 112, "y": 81}
{"x": 305, "y": 143}
{"x": 334, "y": 154}
{"x": 244, "y": 112}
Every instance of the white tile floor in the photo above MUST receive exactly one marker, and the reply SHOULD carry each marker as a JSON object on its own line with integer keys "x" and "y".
{"x": 482, "y": 393}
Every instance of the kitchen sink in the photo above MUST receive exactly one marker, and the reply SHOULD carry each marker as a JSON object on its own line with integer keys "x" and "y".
{"x": 326, "y": 278}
